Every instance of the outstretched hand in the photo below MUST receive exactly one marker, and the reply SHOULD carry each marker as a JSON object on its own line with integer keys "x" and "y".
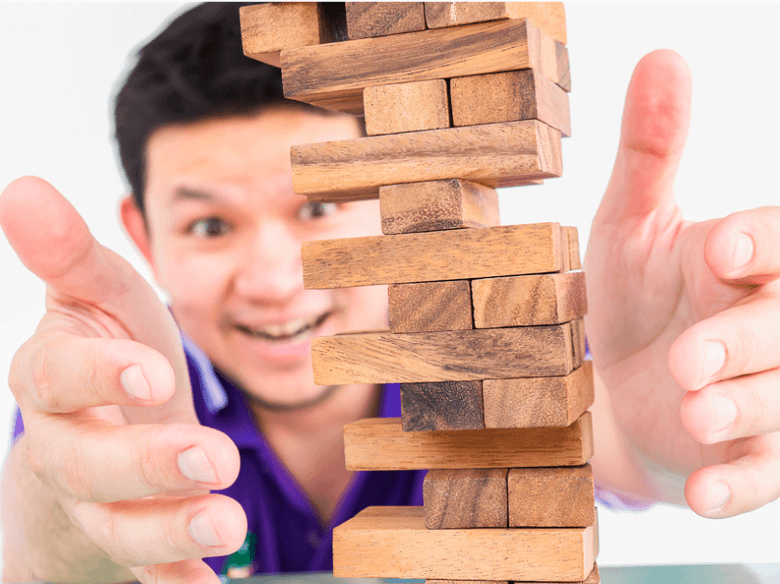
{"x": 684, "y": 318}
{"x": 111, "y": 436}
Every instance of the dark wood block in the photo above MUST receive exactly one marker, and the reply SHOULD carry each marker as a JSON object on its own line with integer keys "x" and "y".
{"x": 551, "y": 497}
{"x": 509, "y": 97}
{"x": 374, "y": 19}
{"x": 444, "y": 405}
{"x": 465, "y": 498}
{"x": 430, "y": 306}
{"x": 406, "y": 107}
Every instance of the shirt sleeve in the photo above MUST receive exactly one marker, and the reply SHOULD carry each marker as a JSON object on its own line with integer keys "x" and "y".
{"x": 18, "y": 425}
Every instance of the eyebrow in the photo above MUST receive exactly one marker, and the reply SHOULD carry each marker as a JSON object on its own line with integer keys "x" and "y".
{"x": 189, "y": 194}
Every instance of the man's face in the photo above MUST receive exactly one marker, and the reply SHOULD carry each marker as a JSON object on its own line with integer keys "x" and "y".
{"x": 225, "y": 235}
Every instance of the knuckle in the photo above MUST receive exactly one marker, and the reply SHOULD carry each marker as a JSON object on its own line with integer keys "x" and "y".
{"x": 42, "y": 388}
{"x": 148, "y": 463}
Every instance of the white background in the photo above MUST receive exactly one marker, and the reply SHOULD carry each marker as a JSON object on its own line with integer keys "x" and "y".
{"x": 59, "y": 65}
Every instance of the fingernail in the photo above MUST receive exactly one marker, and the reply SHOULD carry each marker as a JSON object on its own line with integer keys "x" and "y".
{"x": 719, "y": 496}
{"x": 134, "y": 383}
{"x": 194, "y": 465}
{"x": 744, "y": 248}
{"x": 202, "y": 531}
{"x": 714, "y": 358}
{"x": 725, "y": 413}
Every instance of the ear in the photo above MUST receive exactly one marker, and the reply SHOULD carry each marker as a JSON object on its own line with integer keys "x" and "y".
{"x": 135, "y": 226}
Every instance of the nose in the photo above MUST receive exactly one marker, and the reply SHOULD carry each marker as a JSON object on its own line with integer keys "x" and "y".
{"x": 270, "y": 268}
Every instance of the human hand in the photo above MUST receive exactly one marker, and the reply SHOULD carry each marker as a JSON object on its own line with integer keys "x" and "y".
{"x": 111, "y": 432}
{"x": 684, "y": 318}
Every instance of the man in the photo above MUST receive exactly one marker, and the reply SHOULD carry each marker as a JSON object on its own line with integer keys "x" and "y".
{"x": 106, "y": 475}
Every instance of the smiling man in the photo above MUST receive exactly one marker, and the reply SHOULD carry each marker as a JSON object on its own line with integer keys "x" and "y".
{"x": 132, "y": 411}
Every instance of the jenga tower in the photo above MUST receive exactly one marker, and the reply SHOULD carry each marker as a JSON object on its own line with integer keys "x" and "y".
{"x": 486, "y": 334}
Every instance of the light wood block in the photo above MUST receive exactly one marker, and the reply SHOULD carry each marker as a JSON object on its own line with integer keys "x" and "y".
{"x": 393, "y": 542}
{"x": 509, "y": 97}
{"x": 593, "y": 578}
{"x": 578, "y": 339}
{"x": 466, "y": 498}
{"x": 529, "y": 300}
{"x": 538, "y": 402}
{"x": 437, "y": 206}
{"x": 384, "y": 357}
{"x": 381, "y": 444}
{"x": 458, "y": 254}
{"x": 373, "y": 19}
{"x": 430, "y": 306}
{"x": 406, "y": 107}
{"x": 267, "y": 29}
{"x": 562, "y": 75}
{"x": 494, "y": 155}
{"x": 443, "y": 405}
{"x": 573, "y": 247}
{"x": 318, "y": 75}
{"x": 549, "y": 17}
{"x": 551, "y": 497}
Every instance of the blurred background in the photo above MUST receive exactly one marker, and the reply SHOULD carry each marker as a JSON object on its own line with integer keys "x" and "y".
{"x": 59, "y": 66}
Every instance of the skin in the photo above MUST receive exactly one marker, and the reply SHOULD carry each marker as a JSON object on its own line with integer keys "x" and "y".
{"x": 681, "y": 277}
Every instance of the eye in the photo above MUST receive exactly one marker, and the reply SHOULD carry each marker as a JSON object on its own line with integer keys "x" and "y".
{"x": 316, "y": 210}
{"x": 208, "y": 227}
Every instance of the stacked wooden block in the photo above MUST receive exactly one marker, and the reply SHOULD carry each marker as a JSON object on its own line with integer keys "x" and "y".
{"x": 486, "y": 334}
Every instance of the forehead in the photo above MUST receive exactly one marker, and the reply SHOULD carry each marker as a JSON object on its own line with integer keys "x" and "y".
{"x": 238, "y": 149}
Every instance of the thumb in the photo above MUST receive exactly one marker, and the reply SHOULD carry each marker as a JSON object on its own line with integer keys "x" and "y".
{"x": 53, "y": 241}
{"x": 655, "y": 125}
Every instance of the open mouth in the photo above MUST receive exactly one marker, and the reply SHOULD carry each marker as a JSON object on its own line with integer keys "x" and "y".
{"x": 296, "y": 330}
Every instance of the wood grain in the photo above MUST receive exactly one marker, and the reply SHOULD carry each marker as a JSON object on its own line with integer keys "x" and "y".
{"x": 529, "y": 300}
{"x": 549, "y": 17}
{"x": 406, "y": 107}
{"x": 430, "y": 306}
{"x": 384, "y": 357}
{"x": 381, "y": 444}
{"x": 373, "y": 19}
{"x": 437, "y": 206}
{"x": 593, "y": 578}
{"x": 333, "y": 76}
{"x": 494, "y": 155}
{"x": 538, "y": 401}
{"x": 573, "y": 247}
{"x": 458, "y": 254}
{"x": 551, "y": 497}
{"x": 443, "y": 405}
{"x": 578, "y": 339}
{"x": 393, "y": 542}
{"x": 466, "y": 498}
{"x": 267, "y": 29}
{"x": 509, "y": 97}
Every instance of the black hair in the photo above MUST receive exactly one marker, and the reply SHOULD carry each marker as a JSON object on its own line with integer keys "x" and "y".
{"x": 193, "y": 70}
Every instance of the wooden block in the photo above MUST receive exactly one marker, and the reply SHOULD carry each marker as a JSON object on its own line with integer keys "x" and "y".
{"x": 509, "y": 97}
{"x": 383, "y": 357}
{"x": 573, "y": 247}
{"x": 539, "y": 401}
{"x": 549, "y": 17}
{"x": 466, "y": 498}
{"x": 406, "y": 107}
{"x": 444, "y": 405}
{"x": 529, "y": 300}
{"x": 437, "y": 206}
{"x": 494, "y": 155}
{"x": 562, "y": 71}
{"x": 267, "y": 29}
{"x": 373, "y": 19}
{"x": 381, "y": 444}
{"x": 318, "y": 75}
{"x": 565, "y": 251}
{"x": 551, "y": 497}
{"x": 393, "y": 542}
{"x": 458, "y": 254}
{"x": 430, "y": 306}
{"x": 578, "y": 339}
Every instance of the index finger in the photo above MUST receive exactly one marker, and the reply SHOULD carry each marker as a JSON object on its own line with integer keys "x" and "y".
{"x": 54, "y": 242}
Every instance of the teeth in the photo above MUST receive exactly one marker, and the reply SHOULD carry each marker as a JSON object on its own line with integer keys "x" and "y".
{"x": 285, "y": 330}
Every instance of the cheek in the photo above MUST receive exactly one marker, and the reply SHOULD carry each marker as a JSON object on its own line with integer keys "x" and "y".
{"x": 367, "y": 307}
{"x": 196, "y": 283}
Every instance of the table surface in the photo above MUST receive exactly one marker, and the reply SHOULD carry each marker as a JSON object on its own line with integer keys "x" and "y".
{"x": 697, "y": 574}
